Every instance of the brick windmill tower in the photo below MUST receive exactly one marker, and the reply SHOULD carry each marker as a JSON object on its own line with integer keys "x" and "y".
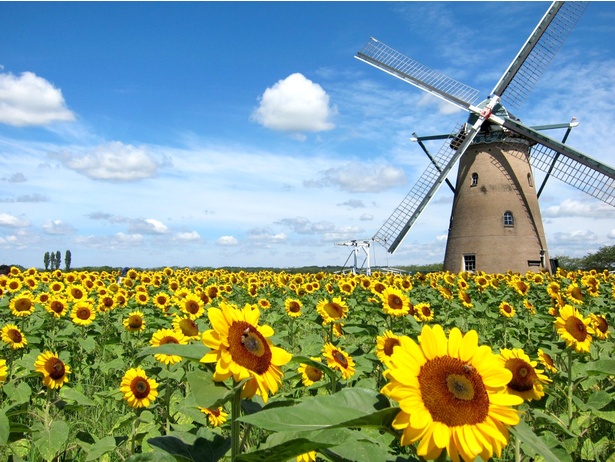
{"x": 495, "y": 223}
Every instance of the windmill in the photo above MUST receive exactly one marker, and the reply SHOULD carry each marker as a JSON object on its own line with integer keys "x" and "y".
{"x": 495, "y": 223}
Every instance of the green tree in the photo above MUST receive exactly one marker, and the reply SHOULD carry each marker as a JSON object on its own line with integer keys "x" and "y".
{"x": 58, "y": 259}
{"x": 52, "y": 260}
{"x": 46, "y": 260}
{"x": 67, "y": 260}
{"x": 604, "y": 258}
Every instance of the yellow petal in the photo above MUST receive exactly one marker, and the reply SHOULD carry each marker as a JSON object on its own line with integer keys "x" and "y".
{"x": 454, "y": 342}
{"x": 468, "y": 347}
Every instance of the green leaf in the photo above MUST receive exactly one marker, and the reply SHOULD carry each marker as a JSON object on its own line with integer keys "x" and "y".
{"x": 100, "y": 448}
{"x": 359, "y": 451}
{"x": 116, "y": 364}
{"x": 532, "y": 443}
{"x": 318, "y": 365}
{"x": 602, "y": 366}
{"x": 194, "y": 351}
{"x": 49, "y": 440}
{"x": 205, "y": 391}
{"x": 542, "y": 415}
{"x": 201, "y": 451}
{"x": 18, "y": 394}
{"x": 5, "y": 429}
{"x": 74, "y": 395}
{"x": 599, "y": 399}
{"x": 351, "y": 407}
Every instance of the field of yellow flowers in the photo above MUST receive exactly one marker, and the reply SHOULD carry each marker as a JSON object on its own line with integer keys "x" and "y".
{"x": 183, "y": 365}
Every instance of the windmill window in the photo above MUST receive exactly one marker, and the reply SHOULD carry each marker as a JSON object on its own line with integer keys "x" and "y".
{"x": 529, "y": 179}
{"x": 474, "y": 179}
{"x": 509, "y": 220}
{"x": 469, "y": 262}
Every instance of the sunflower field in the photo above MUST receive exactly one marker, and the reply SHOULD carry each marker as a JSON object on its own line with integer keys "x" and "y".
{"x": 186, "y": 365}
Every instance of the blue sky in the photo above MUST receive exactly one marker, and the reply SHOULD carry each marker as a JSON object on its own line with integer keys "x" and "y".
{"x": 247, "y": 134}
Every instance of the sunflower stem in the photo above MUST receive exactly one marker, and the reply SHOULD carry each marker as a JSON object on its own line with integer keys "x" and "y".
{"x": 517, "y": 450}
{"x": 569, "y": 387}
{"x": 235, "y": 414}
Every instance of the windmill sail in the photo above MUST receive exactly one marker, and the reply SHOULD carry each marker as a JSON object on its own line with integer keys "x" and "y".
{"x": 568, "y": 164}
{"x": 385, "y": 58}
{"x": 538, "y": 51}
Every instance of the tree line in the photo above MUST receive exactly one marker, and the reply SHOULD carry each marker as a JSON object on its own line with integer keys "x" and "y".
{"x": 53, "y": 260}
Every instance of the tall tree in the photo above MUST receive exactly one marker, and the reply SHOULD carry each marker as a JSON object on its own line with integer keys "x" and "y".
{"x": 67, "y": 260}
{"x": 46, "y": 260}
{"x": 604, "y": 258}
{"x": 58, "y": 259}
{"x": 52, "y": 260}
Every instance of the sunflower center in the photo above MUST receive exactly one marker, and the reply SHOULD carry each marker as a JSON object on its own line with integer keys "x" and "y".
{"x": 76, "y": 293}
{"x": 334, "y": 310}
{"x": 192, "y": 307}
{"x": 601, "y": 324}
{"x": 168, "y": 339}
{"x": 313, "y": 373}
{"x": 139, "y": 387}
{"x": 248, "y": 347}
{"x": 189, "y": 327}
{"x": 389, "y": 344}
{"x": 57, "y": 307}
{"x": 524, "y": 375}
{"x": 214, "y": 412}
{"x": 55, "y": 368}
{"x": 135, "y": 322}
{"x": 83, "y": 313}
{"x": 395, "y": 302}
{"x": 23, "y": 304}
{"x": 453, "y": 392}
{"x": 15, "y": 336}
{"x": 294, "y": 307}
{"x": 576, "y": 328}
{"x": 340, "y": 358}
{"x": 426, "y": 311}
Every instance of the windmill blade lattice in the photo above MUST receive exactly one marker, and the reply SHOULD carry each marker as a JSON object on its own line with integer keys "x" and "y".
{"x": 393, "y": 231}
{"x": 538, "y": 52}
{"x": 393, "y": 62}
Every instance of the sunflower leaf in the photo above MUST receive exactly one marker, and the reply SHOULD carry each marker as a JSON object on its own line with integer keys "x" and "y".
{"x": 49, "y": 440}
{"x": 351, "y": 407}
{"x": 535, "y": 445}
{"x": 210, "y": 394}
{"x": 194, "y": 351}
{"x": 601, "y": 366}
{"x": 202, "y": 450}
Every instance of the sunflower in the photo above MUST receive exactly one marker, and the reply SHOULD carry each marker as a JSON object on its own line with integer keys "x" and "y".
{"x": 241, "y": 349}
{"x": 83, "y": 313}
{"x": 138, "y": 389}
{"x": 216, "y": 417}
{"x": 385, "y": 345}
{"x": 520, "y": 286}
{"x": 339, "y": 359}
{"x": 165, "y": 336}
{"x": 57, "y": 305}
{"x": 13, "y": 336}
{"x": 309, "y": 456}
{"x": 22, "y": 304}
{"x": 192, "y": 305}
{"x": 553, "y": 289}
{"x": 601, "y": 327}
{"x": 55, "y": 372}
{"x": 395, "y": 302}
{"x": 507, "y": 310}
{"x": 331, "y": 311}
{"x": 466, "y": 300}
{"x": 292, "y": 306}
{"x": 141, "y": 297}
{"x": 13, "y": 285}
{"x": 4, "y": 371}
{"x": 574, "y": 293}
{"x": 77, "y": 293}
{"x": 134, "y": 322}
{"x": 574, "y": 329}
{"x": 451, "y": 394}
{"x": 423, "y": 312}
{"x": 264, "y": 303}
{"x": 547, "y": 361}
{"x": 186, "y": 326}
{"x": 527, "y": 381}
{"x": 310, "y": 374}
{"x": 529, "y": 306}
{"x": 446, "y": 293}
{"x": 106, "y": 302}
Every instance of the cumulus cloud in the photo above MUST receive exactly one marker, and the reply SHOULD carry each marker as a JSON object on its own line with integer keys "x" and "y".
{"x": 358, "y": 177}
{"x": 295, "y": 104}
{"x": 265, "y": 236}
{"x": 27, "y": 198}
{"x": 148, "y": 226}
{"x": 187, "y": 236}
{"x": 353, "y": 204}
{"x": 571, "y": 208}
{"x": 366, "y": 217}
{"x": 227, "y": 241}
{"x": 327, "y": 230}
{"x": 581, "y": 235}
{"x": 11, "y": 221}
{"x": 15, "y": 178}
{"x": 114, "y": 161}
{"x": 30, "y": 100}
{"x": 57, "y": 227}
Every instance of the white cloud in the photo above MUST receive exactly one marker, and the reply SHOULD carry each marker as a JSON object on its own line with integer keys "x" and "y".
{"x": 581, "y": 235}
{"x": 295, "y": 104}
{"x": 148, "y": 226}
{"x": 30, "y": 100}
{"x": 187, "y": 236}
{"x": 264, "y": 236}
{"x": 114, "y": 161}
{"x": 57, "y": 227}
{"x": 11, "y": 221}
{"x": 358, "y": 177}
{"x": 227, "y": 241}
{"x": 366, "y": 217}
{"x": 572, "y": 208}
